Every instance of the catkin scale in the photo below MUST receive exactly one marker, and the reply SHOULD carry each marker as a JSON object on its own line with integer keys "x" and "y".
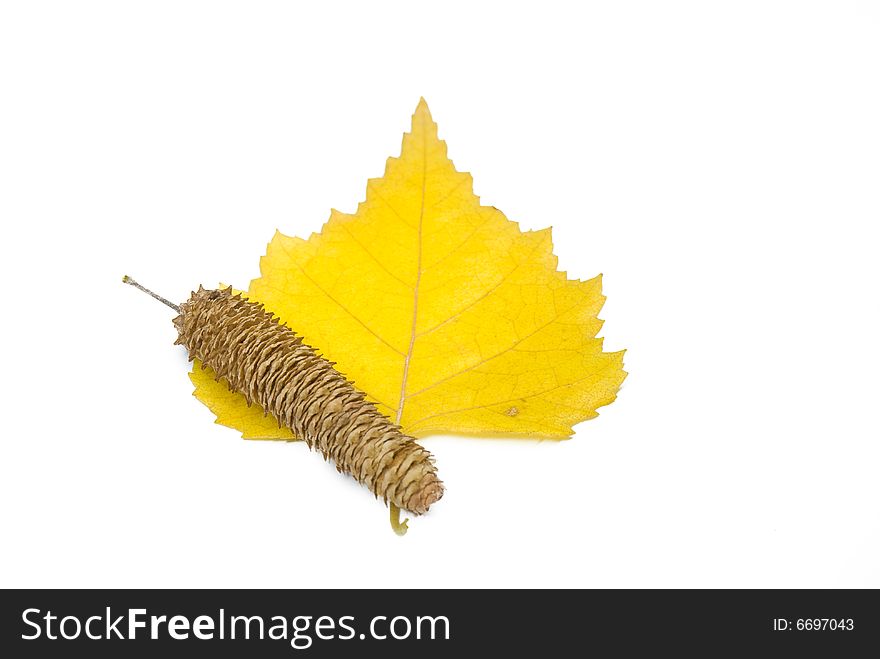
{"x": 269, "y": 363}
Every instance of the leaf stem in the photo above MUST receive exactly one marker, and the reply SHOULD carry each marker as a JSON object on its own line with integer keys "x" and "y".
{"x": 400, "y": 528}
{"x": 131, "y": 282}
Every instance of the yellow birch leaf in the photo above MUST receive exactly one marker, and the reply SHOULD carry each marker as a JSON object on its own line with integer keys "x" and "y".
{"x": 451, "y": 318}
{"x": 232, "y": 410}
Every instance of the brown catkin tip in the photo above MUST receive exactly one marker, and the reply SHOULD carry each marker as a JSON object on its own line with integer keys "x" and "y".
{"x": 268, "y": 363}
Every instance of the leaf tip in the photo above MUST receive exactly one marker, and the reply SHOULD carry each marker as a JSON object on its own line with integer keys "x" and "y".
{"x": 422, "y": 110}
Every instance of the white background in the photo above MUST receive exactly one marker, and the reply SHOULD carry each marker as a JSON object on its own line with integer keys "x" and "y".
{"x": 718, "y": 162}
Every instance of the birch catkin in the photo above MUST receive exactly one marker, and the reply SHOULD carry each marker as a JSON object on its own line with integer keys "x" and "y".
{"x": 269, "y": 363}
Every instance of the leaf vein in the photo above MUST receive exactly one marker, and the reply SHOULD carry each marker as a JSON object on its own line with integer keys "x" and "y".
{"x": 498, "y": 354}
{"x": 483, "y": 296}
{"x": 603, "y": 369}
{"x": 372, "y": 256}
{"x": 407, "y": 360}
{"x": 338, "y": 303}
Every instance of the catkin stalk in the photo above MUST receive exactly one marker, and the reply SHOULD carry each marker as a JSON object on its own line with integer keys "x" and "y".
{"x": 269, "y": 363}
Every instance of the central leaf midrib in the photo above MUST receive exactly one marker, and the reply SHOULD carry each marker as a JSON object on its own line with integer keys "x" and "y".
{"x": 412, "y": 337}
